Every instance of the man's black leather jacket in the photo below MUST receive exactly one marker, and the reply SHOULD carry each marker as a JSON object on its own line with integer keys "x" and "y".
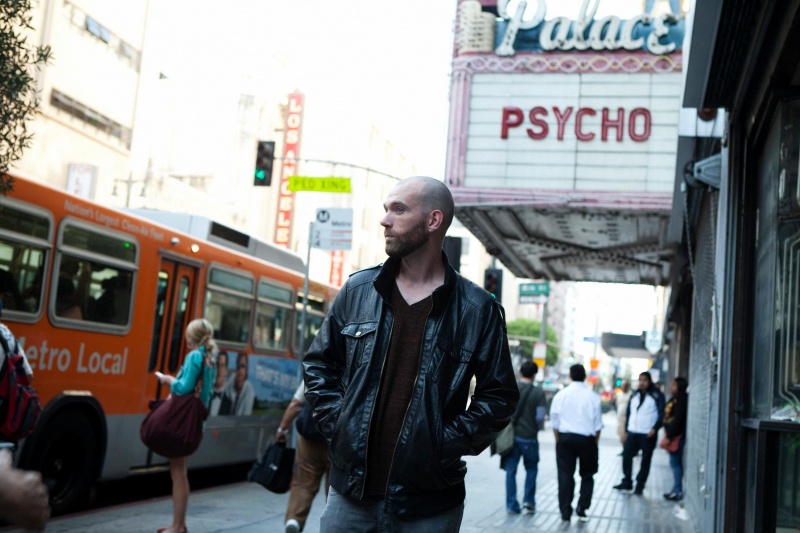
{"x": 465, "y": 336}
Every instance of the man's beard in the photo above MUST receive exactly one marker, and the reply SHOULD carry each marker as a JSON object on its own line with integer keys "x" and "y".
{"x": 403, "y": 245}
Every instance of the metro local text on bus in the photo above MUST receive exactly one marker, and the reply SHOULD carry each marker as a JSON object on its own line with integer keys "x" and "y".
{"x": 636, "y": 124}
{"x": 45, "y": 357}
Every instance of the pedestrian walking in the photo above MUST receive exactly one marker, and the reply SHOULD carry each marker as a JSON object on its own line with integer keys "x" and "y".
{"x": 576, "y": 418}
{"x": 621, "y": 403}
{"x": 389, "y": 372}
{"x": 527, "y": 421}
{"x": 675, "y": 428}
{"x": 199, "y": 364}
{"x": 645, "y": 414}
{"x": 311, "y": 460}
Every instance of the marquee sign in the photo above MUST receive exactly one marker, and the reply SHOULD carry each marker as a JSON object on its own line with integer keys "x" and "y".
{"x": 523, "y": 27}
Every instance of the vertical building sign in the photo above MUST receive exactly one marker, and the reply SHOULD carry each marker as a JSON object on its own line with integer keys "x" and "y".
{"x": 337, "y": 267}
{"x": 291, "y": 151}
{"x": 81, "y": 179}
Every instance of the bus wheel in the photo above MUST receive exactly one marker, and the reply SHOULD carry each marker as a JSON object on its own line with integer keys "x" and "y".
{"x": 66, "y": 454}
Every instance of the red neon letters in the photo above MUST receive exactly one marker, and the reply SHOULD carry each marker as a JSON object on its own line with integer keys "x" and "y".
{"x": 638, "y": 124}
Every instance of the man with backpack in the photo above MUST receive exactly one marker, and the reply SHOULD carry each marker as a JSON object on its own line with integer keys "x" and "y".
{"x": 19, "y": 402}
{"x": 527, "y": 421}
{"x": 24, "y": 499}
{"x": 645, "y": 415}
{"x": 311, "y": 460}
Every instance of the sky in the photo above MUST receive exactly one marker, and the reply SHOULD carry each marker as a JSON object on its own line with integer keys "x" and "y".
{"x": 386, "y": 60}
{"x": 383, "y": 59}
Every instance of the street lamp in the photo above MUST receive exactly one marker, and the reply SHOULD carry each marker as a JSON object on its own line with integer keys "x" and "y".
{"x": 129, "y": 183}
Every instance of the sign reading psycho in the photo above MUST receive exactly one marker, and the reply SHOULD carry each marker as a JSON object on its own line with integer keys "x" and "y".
{"x": 577, "y": 104}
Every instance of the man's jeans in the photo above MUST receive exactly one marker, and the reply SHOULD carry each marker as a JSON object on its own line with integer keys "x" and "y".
{"x": 343, "y": 515}
{"x": 528, "y": 451}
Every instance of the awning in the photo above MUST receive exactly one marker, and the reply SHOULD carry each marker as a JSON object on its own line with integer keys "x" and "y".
{"x": 572, "y": 235}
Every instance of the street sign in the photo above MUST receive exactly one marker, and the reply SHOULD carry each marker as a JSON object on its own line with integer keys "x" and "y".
{"x": 527, "y": 299}
{"x": 333, "y": 229}
{"x": 652, "y": 341}
{"x": 537, "y": 288}
{"x": 314, "y": 184}
{"x": 540, "y": 351}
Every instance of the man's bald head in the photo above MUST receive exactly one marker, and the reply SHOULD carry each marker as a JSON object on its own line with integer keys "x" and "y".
{"x": 435, "y": 196}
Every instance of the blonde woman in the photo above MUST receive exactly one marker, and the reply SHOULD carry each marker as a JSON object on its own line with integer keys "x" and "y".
{"x": 200, "y": 363}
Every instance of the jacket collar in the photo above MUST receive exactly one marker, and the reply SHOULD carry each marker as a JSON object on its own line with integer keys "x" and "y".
{"x": 385, "y": 281}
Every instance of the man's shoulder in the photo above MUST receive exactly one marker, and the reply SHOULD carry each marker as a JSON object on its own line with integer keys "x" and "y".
{"x": 8, "y": 336}
{"x": 364, "y": 275}
{"x": 473, "y": 292}
{"x": 538, "y": 395}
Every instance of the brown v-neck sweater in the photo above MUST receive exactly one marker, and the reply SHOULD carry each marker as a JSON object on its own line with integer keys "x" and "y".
{"x": 397, "y": 384}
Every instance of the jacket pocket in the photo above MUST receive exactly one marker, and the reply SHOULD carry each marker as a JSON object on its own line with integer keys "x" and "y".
{"x": 359, "y": 342}
{"x": 452, "y": 366}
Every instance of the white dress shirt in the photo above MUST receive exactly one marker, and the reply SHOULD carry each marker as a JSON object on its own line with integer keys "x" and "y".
{"x": 576, "y": 409}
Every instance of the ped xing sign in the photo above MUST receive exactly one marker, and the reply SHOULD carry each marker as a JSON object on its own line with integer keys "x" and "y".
{"x": 316, "y": 184}
{"x": 333, "y": 229}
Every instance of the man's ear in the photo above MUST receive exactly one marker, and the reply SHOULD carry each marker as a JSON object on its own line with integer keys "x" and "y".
{"x": 435, "y": 220}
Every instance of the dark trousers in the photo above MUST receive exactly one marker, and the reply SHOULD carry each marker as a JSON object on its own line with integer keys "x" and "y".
{"x": 634, "y": 443}
{"x": 569, "y": 449}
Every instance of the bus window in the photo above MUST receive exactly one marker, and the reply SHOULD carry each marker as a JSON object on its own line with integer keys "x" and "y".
{"x": 179, "y": 324}
{"x": 95, "y": 276}
{"x": 24, "y": 247}
{"x": 273, "y": 312}
{"x": 161, "y": 301}
{"x": 21, "y": 270}
{"x": 229, "y": 298}
{"x": 314, "y": 317}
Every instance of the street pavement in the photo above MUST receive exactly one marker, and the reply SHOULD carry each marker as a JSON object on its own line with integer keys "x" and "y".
{"x": 247, "y": 507}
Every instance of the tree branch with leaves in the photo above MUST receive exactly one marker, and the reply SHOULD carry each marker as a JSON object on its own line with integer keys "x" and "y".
{"x": 19, "y": 100}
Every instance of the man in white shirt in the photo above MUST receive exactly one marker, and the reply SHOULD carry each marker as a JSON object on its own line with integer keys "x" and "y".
{"x": 645, "y": 415}
{"x": 576, "y": 420}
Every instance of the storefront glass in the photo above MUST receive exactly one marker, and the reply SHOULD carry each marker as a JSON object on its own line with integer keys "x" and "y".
{"x": 786, "y": 370}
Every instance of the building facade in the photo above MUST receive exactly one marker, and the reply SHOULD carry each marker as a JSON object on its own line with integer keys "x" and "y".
{"x": 732, "y": 311}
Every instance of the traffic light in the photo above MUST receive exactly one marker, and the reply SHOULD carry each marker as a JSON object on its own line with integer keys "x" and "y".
{"x": 265, "y": 156}
{"x": 493, "y": 282}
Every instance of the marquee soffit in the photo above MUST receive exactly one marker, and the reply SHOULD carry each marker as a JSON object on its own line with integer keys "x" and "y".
{"x": 572, "y": 235}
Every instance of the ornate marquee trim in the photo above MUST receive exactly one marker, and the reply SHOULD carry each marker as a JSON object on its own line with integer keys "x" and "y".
{"x": 568, "y": 63}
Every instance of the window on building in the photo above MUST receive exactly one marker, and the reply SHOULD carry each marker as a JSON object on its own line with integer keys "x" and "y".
{"x": 127, "y": 53}
{"x": 91, "y": 117}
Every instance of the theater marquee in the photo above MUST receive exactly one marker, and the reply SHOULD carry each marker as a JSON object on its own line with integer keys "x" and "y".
{"x": 563, "y": 135}
{"x": 580, "y": 104}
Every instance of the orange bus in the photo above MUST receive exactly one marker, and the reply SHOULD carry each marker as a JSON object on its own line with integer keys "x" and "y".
{"x": 99, "y": 298}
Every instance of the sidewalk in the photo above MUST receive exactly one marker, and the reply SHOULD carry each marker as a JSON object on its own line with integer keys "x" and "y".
{"x": 248, "y": 508}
